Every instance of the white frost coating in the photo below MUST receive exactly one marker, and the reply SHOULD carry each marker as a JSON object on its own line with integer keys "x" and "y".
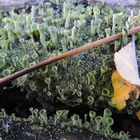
{"x": 126, "y": 64}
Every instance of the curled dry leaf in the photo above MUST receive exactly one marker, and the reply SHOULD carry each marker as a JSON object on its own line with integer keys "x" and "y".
{"x": 122, "y": 88}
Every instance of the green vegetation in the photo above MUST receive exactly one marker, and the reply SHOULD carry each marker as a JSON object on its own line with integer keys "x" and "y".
{"x": 27, "y": 38}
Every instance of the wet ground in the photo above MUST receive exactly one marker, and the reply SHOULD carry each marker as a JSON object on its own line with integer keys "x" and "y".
{"x": 10, "y": 130}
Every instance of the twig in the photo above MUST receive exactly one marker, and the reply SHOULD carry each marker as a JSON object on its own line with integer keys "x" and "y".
{"x": 70, "y": 53}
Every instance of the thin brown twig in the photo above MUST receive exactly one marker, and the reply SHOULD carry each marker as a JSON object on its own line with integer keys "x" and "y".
{"x": 70, "y": 53}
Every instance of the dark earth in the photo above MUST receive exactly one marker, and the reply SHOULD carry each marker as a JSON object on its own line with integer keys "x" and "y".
{"x": 22, "y": 131}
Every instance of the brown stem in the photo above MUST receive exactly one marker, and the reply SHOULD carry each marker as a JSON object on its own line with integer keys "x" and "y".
{"x": 66, "y": 55}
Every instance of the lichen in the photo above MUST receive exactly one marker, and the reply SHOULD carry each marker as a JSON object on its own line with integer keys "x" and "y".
{"x": 39, "y": 120}
{"x": 52, "y": 28}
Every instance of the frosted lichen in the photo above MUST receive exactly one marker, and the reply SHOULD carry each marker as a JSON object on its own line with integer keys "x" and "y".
{"x": 27, "y": 38}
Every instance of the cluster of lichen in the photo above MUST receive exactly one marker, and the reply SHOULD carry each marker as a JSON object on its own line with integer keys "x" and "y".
{"x": 27, "y": 38}
{"x": 39, "y": 119}
{"x": 97, "y": 124}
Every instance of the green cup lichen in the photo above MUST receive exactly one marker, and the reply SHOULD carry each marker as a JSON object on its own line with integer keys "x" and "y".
{"x": 27, "y": 38}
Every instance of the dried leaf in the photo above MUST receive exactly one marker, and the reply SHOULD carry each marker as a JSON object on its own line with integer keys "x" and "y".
{"x": 122, "y": 88}
{"x": 126, "y": 64}
{"x": 138, "y": 114}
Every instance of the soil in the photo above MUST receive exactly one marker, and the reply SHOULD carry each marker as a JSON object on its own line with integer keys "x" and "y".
{"x": 10, "y": 130}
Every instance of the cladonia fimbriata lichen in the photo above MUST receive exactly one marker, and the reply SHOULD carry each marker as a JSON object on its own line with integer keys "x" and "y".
{"x": 27, "y": 38}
